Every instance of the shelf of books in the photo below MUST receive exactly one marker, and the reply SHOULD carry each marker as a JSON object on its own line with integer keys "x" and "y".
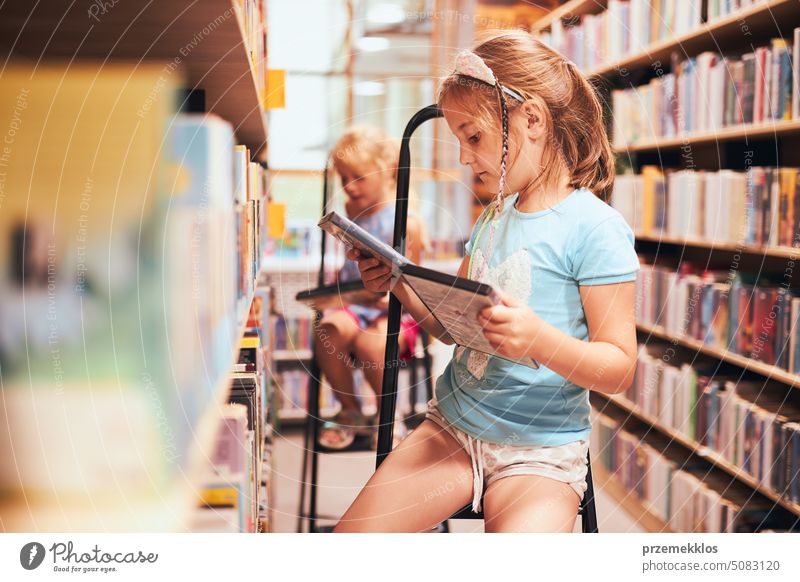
{"x": 129, "y": 273}
{"x": 218, "y": 46}
{"x": 235, "y": 481}
{"x": 704, "y": 115}
{"x": 668, "y": 487}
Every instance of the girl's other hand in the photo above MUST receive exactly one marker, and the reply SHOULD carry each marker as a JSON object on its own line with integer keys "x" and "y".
{"x": 375, "y": 275}
{"x": 511, "y": 327}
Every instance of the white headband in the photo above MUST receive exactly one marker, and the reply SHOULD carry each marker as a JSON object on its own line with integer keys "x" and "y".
{"x": 471, "y": 65}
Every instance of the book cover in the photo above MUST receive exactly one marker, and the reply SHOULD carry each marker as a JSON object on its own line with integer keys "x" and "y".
{"x": 783, "y": 327}
{"x": 760, "y": 84}
{"x": 796, "y": 74}
{"x": 764, "y": 333}
{"x": 794, "y": 471}
{"x": 748, "y": 86}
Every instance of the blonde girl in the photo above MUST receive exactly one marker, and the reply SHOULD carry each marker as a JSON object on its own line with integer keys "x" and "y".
{"x": 366, "y": 160}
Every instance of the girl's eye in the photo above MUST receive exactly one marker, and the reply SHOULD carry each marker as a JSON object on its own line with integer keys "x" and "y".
{"x": 474, "y": 138}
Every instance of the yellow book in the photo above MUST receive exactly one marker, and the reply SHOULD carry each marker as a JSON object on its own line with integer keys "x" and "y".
{"x": 276, "y": 219}
{"x": 788, "y": 182}
{"x": 250, "y": 342}
{"x": 275, "y": 97}
{"x": 653, "y": 178}
{"x": 220, "y": 496}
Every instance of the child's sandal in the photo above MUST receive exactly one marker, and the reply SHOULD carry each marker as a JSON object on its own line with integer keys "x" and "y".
{"x": 340, "y": 432}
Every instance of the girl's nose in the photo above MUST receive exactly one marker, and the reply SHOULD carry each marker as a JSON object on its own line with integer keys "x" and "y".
{"x": 465, "y": 156}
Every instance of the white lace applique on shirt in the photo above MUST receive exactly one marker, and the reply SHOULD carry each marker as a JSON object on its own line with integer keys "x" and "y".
{"x": 513, "y": 276}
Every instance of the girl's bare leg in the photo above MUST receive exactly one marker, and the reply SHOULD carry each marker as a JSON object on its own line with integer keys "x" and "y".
{"x": 420, "y": 484}
{"x": 334, "y": 338}
{"x": 370, "y": 349}
{"x": 530, "y": 503}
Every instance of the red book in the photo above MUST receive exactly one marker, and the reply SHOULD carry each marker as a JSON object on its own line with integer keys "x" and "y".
{"x": 764, "y": 325}
{"x": 744, "y": 320}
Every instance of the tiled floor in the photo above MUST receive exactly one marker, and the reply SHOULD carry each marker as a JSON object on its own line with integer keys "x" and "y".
{"x": 343, "y": 475}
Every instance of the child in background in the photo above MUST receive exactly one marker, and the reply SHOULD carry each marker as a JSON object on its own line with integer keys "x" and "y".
{"x": 500, "y": 434}
{"x": 366, "y": 160}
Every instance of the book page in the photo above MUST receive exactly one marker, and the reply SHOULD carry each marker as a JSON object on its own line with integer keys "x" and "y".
{"x": 457, "y": 311}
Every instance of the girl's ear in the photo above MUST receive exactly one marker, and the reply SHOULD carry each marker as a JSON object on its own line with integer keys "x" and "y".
{"x": 534, "y": 119}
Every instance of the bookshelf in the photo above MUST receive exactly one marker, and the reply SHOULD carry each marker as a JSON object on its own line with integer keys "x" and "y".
{"x": 151, "y": 367}
{"x": 207, "y": 40}
{"x": 614, "y": 489}
{"x": 760, "y": 19}
{"x": 567, "y": 11}
{"x": 640, "y": 67}
{"x": 709, "y": 455}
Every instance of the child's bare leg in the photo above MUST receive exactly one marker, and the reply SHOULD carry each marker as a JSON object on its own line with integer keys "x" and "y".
{"x": 420, "y": 484}
{"x": 530, "y": 503}
{"x": 370, "y": 349}
{"x": 333, "y": 339}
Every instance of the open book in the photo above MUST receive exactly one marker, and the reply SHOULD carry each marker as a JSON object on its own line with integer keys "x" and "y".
{"x": 453, "y": 301}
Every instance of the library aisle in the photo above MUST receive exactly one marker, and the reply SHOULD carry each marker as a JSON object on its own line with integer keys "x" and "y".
{"x": 184, "y": 349}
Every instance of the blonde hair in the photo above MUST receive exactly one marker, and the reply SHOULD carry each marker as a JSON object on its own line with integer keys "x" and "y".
{"x": 572, "y": 109}
{"x": 366, "y": 146}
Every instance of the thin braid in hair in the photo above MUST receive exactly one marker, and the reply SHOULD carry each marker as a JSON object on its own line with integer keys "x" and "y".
{"x": 504, "y": 154}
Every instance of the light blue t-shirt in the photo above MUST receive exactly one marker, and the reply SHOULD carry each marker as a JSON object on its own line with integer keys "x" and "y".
{"x": 541, "y": 258}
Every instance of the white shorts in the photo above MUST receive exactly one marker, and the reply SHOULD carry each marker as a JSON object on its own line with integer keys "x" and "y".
{"x": 493, "y": 461}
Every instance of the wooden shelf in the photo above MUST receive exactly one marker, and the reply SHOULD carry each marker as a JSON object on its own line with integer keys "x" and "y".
{"x": 773, "y": 129}
{"x": 208, "y": 426}
{"x": 767, "y": 370}
{"x": 627, "y": 500}
{"x": 778, "y": 252}
{"x": 205, "y": 39}
{"x": 701, "y": 451}
{"x": 567, "y": 10}
{"x": 291, "y": 355}
{"x": 724, "y": 32}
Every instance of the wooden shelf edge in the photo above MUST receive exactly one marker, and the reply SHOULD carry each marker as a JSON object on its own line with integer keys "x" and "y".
{"x": 767, "y": 370}
{"x": 752, "y": 130}
{"x": 767, "y": 251}
{"x": 627, "y": 501}
{"x": 576, "y": 7}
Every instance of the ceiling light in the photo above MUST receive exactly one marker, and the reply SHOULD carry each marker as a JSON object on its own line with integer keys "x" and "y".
{"x": 386, "y": 14}
{"x": 372, "y": 44}
{"x": 368, "y": 89}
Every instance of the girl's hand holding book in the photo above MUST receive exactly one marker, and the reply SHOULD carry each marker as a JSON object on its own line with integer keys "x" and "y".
{"x": 375, "y": 275}
{"x": 510, "y": 327}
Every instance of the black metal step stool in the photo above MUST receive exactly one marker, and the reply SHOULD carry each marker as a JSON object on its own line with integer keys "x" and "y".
{"x": 311, "y": 446}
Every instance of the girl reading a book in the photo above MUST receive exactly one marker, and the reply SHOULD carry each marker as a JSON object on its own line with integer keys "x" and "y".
{"x": 366, "y": 160}
{"x": 500, "y": 435}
